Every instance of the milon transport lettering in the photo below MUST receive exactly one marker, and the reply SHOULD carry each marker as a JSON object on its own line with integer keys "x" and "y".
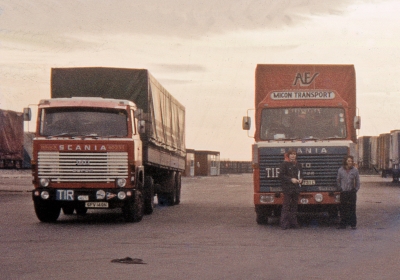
{"x": 284, "y": 95}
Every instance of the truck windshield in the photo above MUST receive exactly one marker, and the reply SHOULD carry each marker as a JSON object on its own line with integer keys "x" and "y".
{"x": 303, "y": 123}
{"x": 96, "y": 122}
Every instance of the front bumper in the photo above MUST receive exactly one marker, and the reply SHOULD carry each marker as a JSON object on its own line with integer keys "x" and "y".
{"x": 77, "y": 197}
{"x": 309, "y": 198}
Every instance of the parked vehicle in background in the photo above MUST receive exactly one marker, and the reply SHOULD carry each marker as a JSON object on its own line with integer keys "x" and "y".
{"x": 107, "y": 138}
{"x": 367, "y": 154}
{"x": 384, "y": 165}
{"x": 312, "y": 109}
{"x": 394, "y": 154}
{"x": 11, "y": 139}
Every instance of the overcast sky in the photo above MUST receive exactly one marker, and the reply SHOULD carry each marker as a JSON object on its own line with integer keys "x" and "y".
{"x": 204, "y": 53}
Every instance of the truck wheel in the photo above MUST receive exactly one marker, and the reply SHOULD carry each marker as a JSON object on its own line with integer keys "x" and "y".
{"x": 47, "y": 211}
{"x": 333, "y": 212}
{"x": 262, "y": 213}
{"x": 81, "y": 210}
{"x": 67, "y": 210}
{"x": 133, "y": 210}
{"x": 148, "y": 195}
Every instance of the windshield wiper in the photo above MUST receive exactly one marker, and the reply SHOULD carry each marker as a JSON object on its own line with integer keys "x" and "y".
{"x": 332, "y": 137}
{"x": 94, "y": 135}
{"x": 68, "y": 134}
{"x": 286, "y": 139}
{"x": 111, "y": 136}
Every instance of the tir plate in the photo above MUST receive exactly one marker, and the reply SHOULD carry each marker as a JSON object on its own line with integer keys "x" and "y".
{"x": 96, "y": 204}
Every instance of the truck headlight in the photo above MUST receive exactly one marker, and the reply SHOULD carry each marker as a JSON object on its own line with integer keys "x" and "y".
{"x": 44, "y": 195}
{"x": 100, "y": 194}
{"x": 121, "y": 195}
{"x": 267, "y": 199}
{"x": 318, "y": 197}
{"x": 44, "y": 182}
{"x": 121, "y": 182}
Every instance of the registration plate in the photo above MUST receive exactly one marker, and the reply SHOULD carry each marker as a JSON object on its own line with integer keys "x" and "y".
{"x": 96, "y": 204}
{"x": 65, "y": 195}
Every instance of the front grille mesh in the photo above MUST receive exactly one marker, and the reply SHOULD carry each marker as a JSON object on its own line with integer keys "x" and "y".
{"x": 82, "y": 167}
{"x": 322, "y": 169}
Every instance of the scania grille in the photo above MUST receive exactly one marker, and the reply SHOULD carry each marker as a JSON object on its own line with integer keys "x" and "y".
{"x": 318, "y": 168}
{"x": 82, "y": 167}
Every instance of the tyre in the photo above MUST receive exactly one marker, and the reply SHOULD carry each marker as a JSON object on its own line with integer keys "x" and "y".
{"x": 178, "y": 181}
{"x": 68, "y": 210}
{"x": 262, "y": 214}
{"x": 261, "y": 218}
{"x": 81, "y": 210}
{"x": 148, "y": 195}
{"x": 167, "y": 197}
{"x": 133, "y": 210}
{"x": 47, "y": 211}
{"x": 333, "y": 212}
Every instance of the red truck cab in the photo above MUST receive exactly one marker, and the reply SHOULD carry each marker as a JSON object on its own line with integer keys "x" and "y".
{"x": 87, "y": 155}
{"x": 309, "y": 108}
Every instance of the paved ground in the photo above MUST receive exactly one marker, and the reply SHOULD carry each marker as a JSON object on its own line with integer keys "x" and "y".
{"x": 9, "y": 177}
{"x": 212, "y": 234}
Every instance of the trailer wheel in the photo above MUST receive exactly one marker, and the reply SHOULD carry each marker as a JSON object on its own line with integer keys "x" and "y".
{"x": 171, "y": 198}
{"x": 148, "y": 195}
{"x": 178, "y": 183}
{"x": 167, "y": 198}
{"x": 133, "y": 210}
{"x": 47, "y": 211}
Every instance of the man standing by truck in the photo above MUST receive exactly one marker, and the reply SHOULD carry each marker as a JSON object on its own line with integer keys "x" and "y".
{"x": 290, "y": 172}
{"x": 348, "y": 180}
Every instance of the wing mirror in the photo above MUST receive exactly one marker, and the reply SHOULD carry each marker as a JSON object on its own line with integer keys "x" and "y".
{"x": 27, "y": 114}
{"x": 357, "y": 122}
{"x": 246, "y": 123}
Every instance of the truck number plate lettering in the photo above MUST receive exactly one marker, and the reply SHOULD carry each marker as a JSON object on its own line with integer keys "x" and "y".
{"x": 308, "y": 182}
{"x": 96, "y": 204}
{"x": 65, "y": 195}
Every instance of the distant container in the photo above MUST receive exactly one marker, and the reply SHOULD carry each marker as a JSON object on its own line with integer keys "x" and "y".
{"x": 235, "y": 167}
{"x": 364, "y": 153}
{"x": 374, "y": 152}
{"x": 384, "y": 165}
{"x": 394, "y": 154}
{"x": 202, "y": 163}
{"x": 11, "y": 139}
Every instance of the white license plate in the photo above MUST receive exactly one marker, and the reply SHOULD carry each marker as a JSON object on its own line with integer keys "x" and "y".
{"x": 96, "y": 204}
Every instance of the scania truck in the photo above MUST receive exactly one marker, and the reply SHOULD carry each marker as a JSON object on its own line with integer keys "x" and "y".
{"x": 107, "y": 138}
{"x": 309, "y": 108}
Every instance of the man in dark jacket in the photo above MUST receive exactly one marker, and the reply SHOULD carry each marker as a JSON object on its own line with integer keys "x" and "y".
{"x": 291, "y": 174}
